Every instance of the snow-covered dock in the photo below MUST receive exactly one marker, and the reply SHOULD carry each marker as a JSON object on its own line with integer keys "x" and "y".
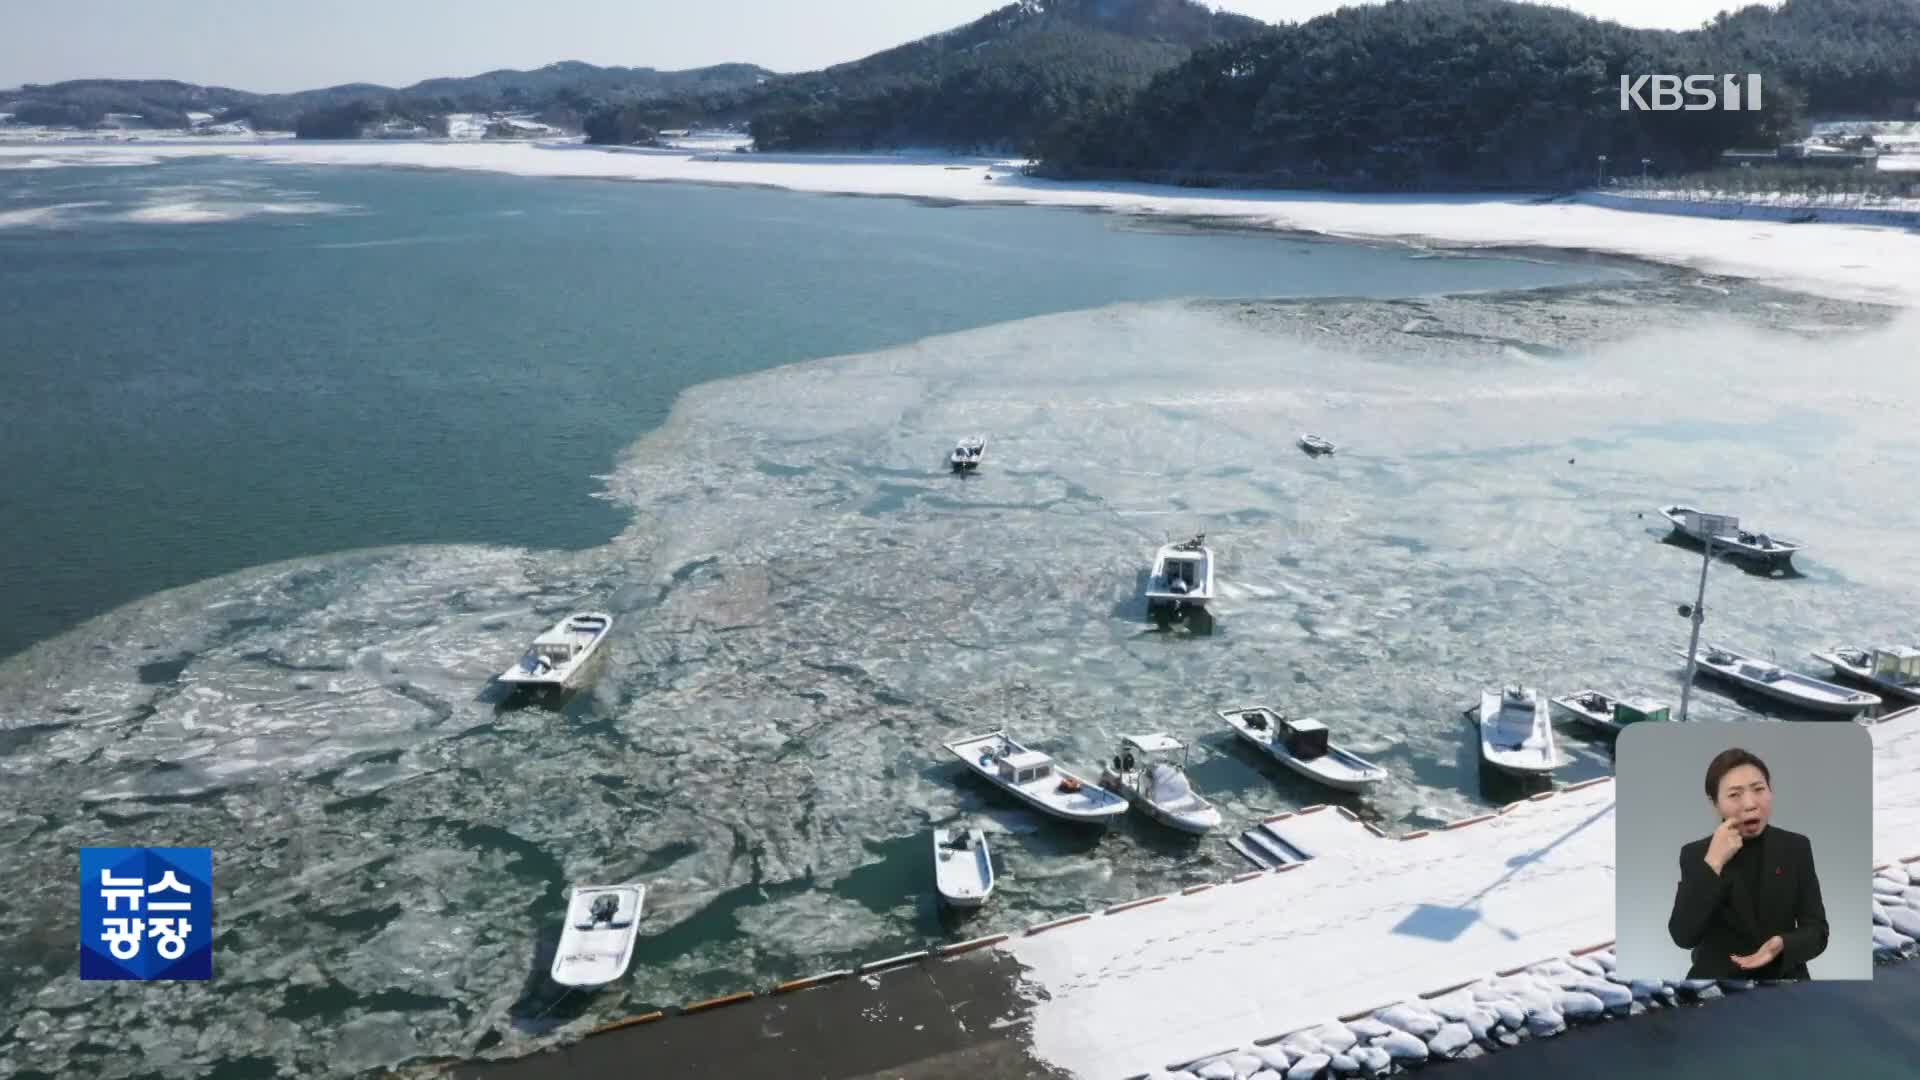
{"x": 1496, "y": 906}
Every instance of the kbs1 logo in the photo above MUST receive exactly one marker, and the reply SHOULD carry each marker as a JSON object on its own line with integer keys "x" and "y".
{"x": 146, "y": 913}
{"x": 1661, "y": 93}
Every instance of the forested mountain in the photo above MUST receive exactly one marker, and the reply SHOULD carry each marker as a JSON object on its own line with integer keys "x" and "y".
{"x": 1481, "y": 93}
{"x": 563, "y": 92}
{"x": 996, "y": 82}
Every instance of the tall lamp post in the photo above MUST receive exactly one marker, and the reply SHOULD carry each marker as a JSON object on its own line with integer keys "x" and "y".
{"x": 1696, "y": 613}
{"x": 1601, "y": 175}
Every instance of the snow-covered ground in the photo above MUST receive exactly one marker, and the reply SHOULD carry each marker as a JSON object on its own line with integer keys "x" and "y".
{"x": 1359, "y": 929}
{"x": 1851, "y": 262}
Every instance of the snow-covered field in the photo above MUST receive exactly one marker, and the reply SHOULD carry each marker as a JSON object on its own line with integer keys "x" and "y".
{"x": 1845, "y": 261}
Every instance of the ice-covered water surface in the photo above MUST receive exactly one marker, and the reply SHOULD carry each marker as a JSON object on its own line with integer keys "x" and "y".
{"x": 809, "y": 603}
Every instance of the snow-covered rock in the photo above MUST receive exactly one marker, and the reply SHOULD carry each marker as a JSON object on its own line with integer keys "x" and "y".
{"x": 1450, "y": 1040}
{"x": 1404, "y": 1047}
{"x": 1373, "y": 1059}
{"x": 1409, "y": 1018}
{"x": 1368, "y": 1028}
{"x": 1309, "y": 1067}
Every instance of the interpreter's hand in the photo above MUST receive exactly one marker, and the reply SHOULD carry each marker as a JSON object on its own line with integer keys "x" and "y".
{"x": 1724, "y": 845}
{"x": 1764, "y": 957}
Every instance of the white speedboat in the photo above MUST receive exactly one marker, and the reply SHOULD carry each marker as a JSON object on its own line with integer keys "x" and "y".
{"x": 556, "y": 657}
{"x": 1143, "y": 772}
{"x": 1033, "y": 778}
{"x": 1894, "y": 669}
{"x": 1182, "y": 578}
{"x": 1607, "y": 713}
{"x": 1728, "y": 538}
{"x": 1315, "y": 445}
{"x": 962, "y": 867}
{"x": 1303, "y": 746}
{"x": 596, "y": 944}
{"x": 1515, "y": 734}
{"x": 1774, "y": 681}
{"x": 967, "y": 454}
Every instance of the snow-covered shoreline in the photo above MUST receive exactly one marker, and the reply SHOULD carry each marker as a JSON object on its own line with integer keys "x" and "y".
{"x": 1849, "y": 262}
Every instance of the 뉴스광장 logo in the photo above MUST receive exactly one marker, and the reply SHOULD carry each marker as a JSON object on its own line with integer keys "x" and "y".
{"x": 146, "y": 913}
{"x": 1665, "y": 90}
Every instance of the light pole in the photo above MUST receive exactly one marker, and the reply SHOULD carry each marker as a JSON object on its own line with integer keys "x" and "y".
{"x": 1600, "y": 179}
{"x": 1644, "y": 162}
{"x": 1697, "y": 613}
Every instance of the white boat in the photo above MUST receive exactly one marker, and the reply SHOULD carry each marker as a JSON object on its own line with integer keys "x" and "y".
{"x": 1182, "y": 578}
{"x": 1156, "y": 786}
{"x": 1303, "y": 746}
{"x": 596, "y": 944}
{"x": 967, "y": 454}
{"x": 962, "y": 867}
{"x": 1033, "y": 778}
{"x": 557, "y": 656}
{"x": 1608, "y": 713}
{"x": 1515, "y": 734}
{"x": 1776, "y": 682}
{"x": 1315, "y": 445}
{"x": 1729, "y": 538}
{"x": 1892, "y": 668}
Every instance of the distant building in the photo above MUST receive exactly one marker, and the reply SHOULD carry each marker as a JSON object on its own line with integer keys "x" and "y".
{"x": 1801, "y": 155}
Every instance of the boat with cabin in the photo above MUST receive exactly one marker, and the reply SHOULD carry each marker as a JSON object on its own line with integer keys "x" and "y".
{"x": 1144, "y": 773}
{"x": 962, "y": 867}
{"x": 967, "y": 453}
{"x": 596, "y": 943}
{"x": 1035, "y": 779}
{"x": 1315, "y": 444}
{"x": 1303, "y": 745}
{"x": 1516, "y": 736}
{"x": 556, "y": 657}
{"x": 1723, "y": 531}
{"x": 1772, "y": 680}
{"x": 1894, "y": 669}
{"x": 1182, "y": 579}
{"x": 1604, "y": 712}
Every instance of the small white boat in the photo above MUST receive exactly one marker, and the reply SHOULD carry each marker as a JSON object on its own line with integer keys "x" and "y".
{"x": 1791, "y": 687}
{"x": 596, "y": 945}
{"x": 1315, "y": 445}
{"x": 1182, "y": 578}
{"x": 1891, "y": 668}
{"x": 962, "y": 867}
{"x": 1303, "y": 746}
{"x": 967, "y": 454}
{"x": 1729, "y": 538}
{"x": 1156, "y": 786}
{"x": 1515, "y": 735}
{"x": 1033, "y": 778}
{"x": 557, "y": 656}
{"x": 1607, "y": 713}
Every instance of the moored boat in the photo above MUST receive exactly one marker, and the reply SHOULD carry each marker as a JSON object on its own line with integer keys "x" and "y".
{"x": 556, "y": 658}
{"x": 1143, "y": 772}
{"x": 596, "y": 944}
{"x": 1035, "y": 779}
{"x": 1772, "y": 680}
{"x": 1304, "y": 745}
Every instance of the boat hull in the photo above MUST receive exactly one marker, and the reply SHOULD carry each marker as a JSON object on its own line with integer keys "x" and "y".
{"x": 1864, "y": 677}
{"x": 965, "y": 887}
{"x": 1526, "y": 764}
{"x": 567, "y": 675}
{"x": 1339, "y": 781}
{"x": 1100, "y": 815}
{"x": 594, "y": 954}
{"x": 1824, "y": 702}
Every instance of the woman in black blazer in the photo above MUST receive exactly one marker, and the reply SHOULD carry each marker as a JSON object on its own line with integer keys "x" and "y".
{"x": 1748, "y": 905}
